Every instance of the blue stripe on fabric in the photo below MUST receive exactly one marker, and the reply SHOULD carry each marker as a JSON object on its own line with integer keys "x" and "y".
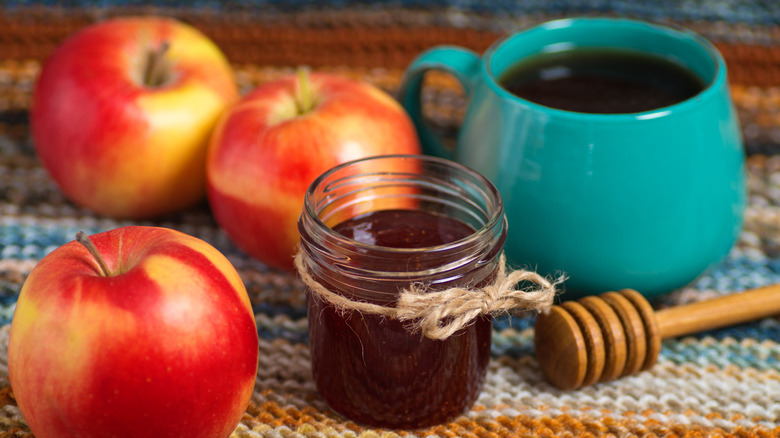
{"x": 34, "y": 241}
{"x": 740, "y": 273}
{"x": 279, "y": 309}
{"x": 754, "y": 354}
{"x": 24, "y": 240}
{"x": 733, "y": 11}
{"x": 293, "y": 336}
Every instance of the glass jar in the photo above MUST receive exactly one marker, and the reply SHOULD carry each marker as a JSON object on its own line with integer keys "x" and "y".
{"x": 371, "y": 368}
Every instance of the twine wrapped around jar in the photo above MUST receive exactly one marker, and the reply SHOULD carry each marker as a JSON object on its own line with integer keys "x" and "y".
{"x": 440, "y": 314}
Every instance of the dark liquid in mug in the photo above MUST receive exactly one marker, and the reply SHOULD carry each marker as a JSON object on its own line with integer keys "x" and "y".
{"x": 601, "y": 80}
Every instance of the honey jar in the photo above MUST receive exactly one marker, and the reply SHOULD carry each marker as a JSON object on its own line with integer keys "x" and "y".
{"x": 370, "y": 229}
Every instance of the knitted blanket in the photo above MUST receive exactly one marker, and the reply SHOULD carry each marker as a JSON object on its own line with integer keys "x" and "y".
{"x": 720, "y": 383}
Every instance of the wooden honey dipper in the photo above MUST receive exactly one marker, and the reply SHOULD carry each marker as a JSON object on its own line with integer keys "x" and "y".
{"x": 600, "y": 338}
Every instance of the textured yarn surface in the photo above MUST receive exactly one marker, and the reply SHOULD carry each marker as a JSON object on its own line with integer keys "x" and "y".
{"x": 719, "y": 383}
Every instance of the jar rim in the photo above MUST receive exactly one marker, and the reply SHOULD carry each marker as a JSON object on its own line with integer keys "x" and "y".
{"x": 496, "y": 216}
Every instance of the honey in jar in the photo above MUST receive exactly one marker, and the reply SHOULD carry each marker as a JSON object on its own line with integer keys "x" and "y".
{"x": 370, "y": 229}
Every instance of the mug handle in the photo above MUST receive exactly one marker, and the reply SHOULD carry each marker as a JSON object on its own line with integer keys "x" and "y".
{"x": 462, "y": 63}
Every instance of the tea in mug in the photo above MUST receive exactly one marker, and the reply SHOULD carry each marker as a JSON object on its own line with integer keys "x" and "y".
{"x": 601, "y": 80}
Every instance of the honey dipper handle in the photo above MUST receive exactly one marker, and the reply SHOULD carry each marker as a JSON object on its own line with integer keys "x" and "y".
{"x": 719, "y": 312}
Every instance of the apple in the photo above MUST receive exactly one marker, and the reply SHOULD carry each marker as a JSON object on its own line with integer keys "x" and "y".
{"x": 122, "y": 113}
{"x": 269, "y": 147}
{"x": 137, "y": 331}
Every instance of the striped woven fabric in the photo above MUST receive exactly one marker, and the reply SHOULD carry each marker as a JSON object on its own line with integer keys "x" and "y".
{"x": 720, "y": 383}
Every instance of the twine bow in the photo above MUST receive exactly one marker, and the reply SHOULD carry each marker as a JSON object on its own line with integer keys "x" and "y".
{"x": 440, "y": 314}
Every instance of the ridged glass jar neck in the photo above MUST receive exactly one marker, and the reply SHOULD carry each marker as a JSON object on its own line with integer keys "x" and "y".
{"x": 377, "y": 273}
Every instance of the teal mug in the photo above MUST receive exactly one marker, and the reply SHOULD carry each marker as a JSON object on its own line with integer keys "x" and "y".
{"x": 644, "y": 200}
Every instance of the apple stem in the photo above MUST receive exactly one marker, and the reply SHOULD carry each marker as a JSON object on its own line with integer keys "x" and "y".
{"x": 304, "y": 98}
{"x": 83, "y": 239}
{"x": 154, "y": 75}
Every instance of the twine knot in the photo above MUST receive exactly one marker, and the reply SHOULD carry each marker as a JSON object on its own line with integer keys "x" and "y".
{"x": 440, "y": 314}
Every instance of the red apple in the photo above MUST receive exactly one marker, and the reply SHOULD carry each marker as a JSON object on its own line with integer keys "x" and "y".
{"x": 268, "y": 149}
{"x": 123, "y": 111}
{"x": 148, "y": 333}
